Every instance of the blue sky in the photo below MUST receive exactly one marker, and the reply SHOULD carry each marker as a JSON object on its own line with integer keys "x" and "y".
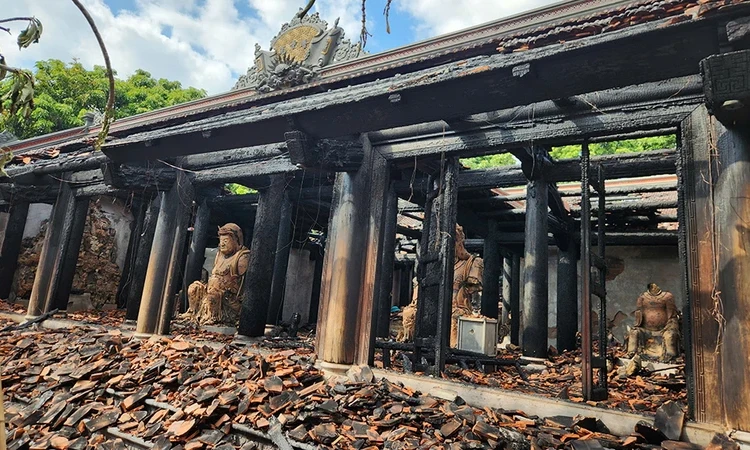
{"x": 209, "y": 43}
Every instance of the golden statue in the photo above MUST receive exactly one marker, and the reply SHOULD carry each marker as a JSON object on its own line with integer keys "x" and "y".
{"x": 657, "y": 330}
{"x": 218, "y": 302}
{"x": 468, "y": 270}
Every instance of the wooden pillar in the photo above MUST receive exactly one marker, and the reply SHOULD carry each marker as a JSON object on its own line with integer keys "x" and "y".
{"x": 126, "y": 277}
{"x": 48, "y": 271}
{"x": 493, "y": 267}
{"x": 176, "y": 267}
{"x": 715, "y": 213}
{"x": 536, "y": 267}
{"x": 387, "y": 258}
{"x": 351, "y": 261}
{"x": 197, "y": 249}
{"x": 69, "y": 258}
{"x": 256, "y": 291}
{"x": 144, "y": 237}
{"x": 163, "y": 264}
{"x": 281, "y": 261}
{"x": 318, "y": 255}
{"x": 507, "y": 288}
{"x": 567, "y": 297}
{"x": 11, "y": 246}
{"x": 447, "y": 238}
{"x": 515, "y": 300}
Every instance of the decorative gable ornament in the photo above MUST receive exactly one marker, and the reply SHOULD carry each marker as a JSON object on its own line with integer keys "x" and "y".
{"x": 301, "y": 49}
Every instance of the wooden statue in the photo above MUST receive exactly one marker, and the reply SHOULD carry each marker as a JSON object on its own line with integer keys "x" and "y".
{"x": 217, "y": 302}
{"x": 468, "y": 270}
{"x": 656, "y": 333}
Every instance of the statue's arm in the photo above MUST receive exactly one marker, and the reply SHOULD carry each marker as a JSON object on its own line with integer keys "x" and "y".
{"x": 476, "y": 273}
{"x": 672, "y": 317}
{"x": 639, "y": 312}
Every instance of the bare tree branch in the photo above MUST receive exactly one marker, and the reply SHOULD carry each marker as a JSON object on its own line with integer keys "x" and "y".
{"x": 109, "y": 111}
{"x": 306, "y": 9}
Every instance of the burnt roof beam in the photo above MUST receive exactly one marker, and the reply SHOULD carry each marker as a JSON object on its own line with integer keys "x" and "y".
{"x": 454, "y": 90}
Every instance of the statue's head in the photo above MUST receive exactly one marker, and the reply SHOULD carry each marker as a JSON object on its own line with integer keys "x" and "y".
{"x": 461, "y": 252}
{"x": 654, "y": 289}
{"x": 230, "y": 239}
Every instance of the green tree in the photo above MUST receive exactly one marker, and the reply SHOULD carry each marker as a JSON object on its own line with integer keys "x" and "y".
{"x": 487, "y": 161}
{"x": 65, "y": 92}
{"x": 617, "y": 147}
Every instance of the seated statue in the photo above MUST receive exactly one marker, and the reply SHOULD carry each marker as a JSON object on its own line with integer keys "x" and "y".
{"x": 657, "y": 332}
{"x": 468, "y": 270}
{"x": 218, "y": 301}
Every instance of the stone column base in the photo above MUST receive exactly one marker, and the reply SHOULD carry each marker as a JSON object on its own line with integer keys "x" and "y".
{"x": 332, "y": 370}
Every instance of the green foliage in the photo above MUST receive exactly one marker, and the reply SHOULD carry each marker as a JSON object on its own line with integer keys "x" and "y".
{"x": 617, "y": 147}
{"x": 238, "y": 189}
{"x": 487, "y": 161}
{"x": 574, "y": 151}
{"x": 65, "y": 92}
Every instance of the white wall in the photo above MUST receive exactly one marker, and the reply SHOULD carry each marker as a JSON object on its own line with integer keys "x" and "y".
{"x": 121, "y": 219}
{"x": 38, "y": 213}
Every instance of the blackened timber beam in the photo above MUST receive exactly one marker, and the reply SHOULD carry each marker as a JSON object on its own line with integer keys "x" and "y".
{"x": 324, "y": 154}
{"x": 454, "y": 90}
{"x": 493, "y": 263}
{"x": 536, "y": 268}
{"x": 567, "y": 297}
{"x": 233, "y": 201}
{"x": 256, "y": 289}
{"x": 197, "y": 249}
{"x": 515, "y": 299}
{"x": 234, "y": 156}
{"x": 51, "y": 259}
{"x": 727, "y": 98}
{"x": 126, "y": 276}
{"x": 69, "y": 256}
{"x": 183, "y": 195}
{"x": 382, "y": 315}
{"x": 11, "y": 246}
{"x": 20, "y": 173}
{"x": 251, "y": 174}
{"x": 616, "y": 238}
{"x": 148, "y": 217}
{"x": 281, "y": 260}
{"x": 153, "y": 175}
{"x": 485, "y": 129}
{"x": 12, "y": 193}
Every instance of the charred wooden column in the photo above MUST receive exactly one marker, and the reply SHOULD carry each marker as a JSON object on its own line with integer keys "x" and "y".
{"x": 11, "y": 246}
{"x": 176, "y": 267}
{"x": 145, "y": 237}
{"x": 507, "y": 288}
{"x": 536, "y": 267}
{"x": 515, "y": 299}
{"x": 160, "y": 286}
{"x": 387, "y": 258}
{"x": 567, "y": 297}
{"x": 281, "y": 261}
{"x": 350, "y": 268}
{"x": 493, "y": 268}
{"x": 197, "y": 249}
{"x": 70, "y": 257}
{"x": 715, "y": 213}
{"x": 447, "y": 237}
{"x": 256, "y": 290}
{"x": 317, "y": 279}
{"x": 52, "y": 258}
{"x": 126, "y": 276}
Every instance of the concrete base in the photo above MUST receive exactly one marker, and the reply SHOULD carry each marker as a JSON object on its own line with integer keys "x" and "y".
{"x": 80, "y": 302}
{"x": 143, "y": 335}
{"x": 229, "y": 331}
{"x": 332, "y": 370}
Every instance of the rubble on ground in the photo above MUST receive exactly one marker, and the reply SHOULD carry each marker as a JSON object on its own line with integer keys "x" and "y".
{"x": 89, "y": 387}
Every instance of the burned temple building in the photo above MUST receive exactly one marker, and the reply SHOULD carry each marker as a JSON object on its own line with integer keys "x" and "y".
{"x": 355, "y": 163}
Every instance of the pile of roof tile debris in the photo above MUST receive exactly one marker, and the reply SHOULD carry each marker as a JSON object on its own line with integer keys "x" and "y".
{"x": 88, "y": 387}
{"x": 635, "y": 387}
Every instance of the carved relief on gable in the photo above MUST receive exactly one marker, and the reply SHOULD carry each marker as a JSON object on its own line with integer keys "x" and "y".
{"x": 301, "y": 49}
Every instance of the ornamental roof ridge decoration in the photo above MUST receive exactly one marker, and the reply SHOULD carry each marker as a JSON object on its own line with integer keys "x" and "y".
{"x": 297, "y": 54}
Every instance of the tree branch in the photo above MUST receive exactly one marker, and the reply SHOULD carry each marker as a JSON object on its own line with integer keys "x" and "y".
{"x": 307, "y": 8}
{"x": 17, "y": 19}
{"x": 109, "y": 111}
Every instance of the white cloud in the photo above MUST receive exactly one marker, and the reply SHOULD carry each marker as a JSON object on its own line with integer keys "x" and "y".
{"x": 435, "y": 17}
{"x": 205, "y": 44}
{"x": 209, "y": 43}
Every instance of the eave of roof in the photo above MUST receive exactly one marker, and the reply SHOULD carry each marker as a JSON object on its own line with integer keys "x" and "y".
{"x": 568, "y": 20}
